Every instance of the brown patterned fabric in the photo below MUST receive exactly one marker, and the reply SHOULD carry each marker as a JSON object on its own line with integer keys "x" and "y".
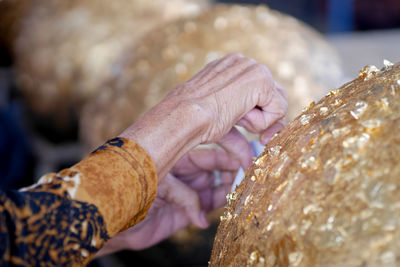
{"x": 65, "y": 218}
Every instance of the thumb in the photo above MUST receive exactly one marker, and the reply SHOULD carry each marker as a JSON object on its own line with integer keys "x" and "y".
{"x": 267, "y": 134}
{"x": 181, "y": 195}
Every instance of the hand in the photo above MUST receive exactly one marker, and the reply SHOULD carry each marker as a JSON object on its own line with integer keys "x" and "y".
{"x": 229, "y": 91}
{"x": 235, "y": 89}
{"x": 185, "y": 196}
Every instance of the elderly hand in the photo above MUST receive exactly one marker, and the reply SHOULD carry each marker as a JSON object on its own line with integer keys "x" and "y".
{"x": 185, "y": 196}
{"x": 232, "y": 90}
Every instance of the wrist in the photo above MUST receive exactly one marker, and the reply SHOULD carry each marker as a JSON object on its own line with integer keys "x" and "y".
{"x": 168, "y": 131}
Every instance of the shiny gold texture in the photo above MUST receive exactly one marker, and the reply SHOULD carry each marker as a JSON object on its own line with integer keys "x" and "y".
{"x": 335, "y": 200}
{"x": 297, "y": 56}
{"x": 67, "y": 50}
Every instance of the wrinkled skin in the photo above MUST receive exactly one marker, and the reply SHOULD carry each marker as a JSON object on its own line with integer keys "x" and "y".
{"x": 232, "y": 90}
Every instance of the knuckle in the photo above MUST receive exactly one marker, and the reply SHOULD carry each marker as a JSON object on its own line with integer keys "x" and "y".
{"x": 235, "y": 55}
{"x": 261, "y": 70}
{"x": 251, "y": 60}
{"x": 247, "y": 61}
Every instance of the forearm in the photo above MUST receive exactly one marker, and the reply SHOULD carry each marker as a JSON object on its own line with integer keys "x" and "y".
{"x": 120, "y": 180}
{"x": 68, "y": 216}
{"x": 168, "y": 131}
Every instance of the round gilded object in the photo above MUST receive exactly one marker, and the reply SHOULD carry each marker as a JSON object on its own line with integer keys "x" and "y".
{"x": 325, "y": 192}
{"x": 297, "y": 56}
{"x": 66, "y": 50}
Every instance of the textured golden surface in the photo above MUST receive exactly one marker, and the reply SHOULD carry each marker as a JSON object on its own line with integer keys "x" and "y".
{"x": 297, "y": 56}
{"x": 325, "y": 192}
{"x": 67, "y": 50}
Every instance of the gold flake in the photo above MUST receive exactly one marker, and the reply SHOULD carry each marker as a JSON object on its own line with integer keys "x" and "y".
{"x": 274, "y": 151}
{"x": 226, "y": 217}
{"x": 306, "y": 118}
{"x": 231, "y": 196}
{"x": 340, "y": 132}
{"x": 246, "y": 201}
{"x": 305, "y": 225}
{"x": 254, "y": 257}
{"x": 387, "y": 63}
{"x": 312, "y": 104}
{"x": 372, "y": 125}
{"x": 277, "y": 169}
{"x": 368, "y": 72}
{"x": 260, "y": 175}
{"x": 269, "y": 226}
{"x": 282, "y": 185}
{"x": 323, "y": 110}
{"x": 337, "y": 102}
{"x": 251, "y": 215}
{"x": 360, "y": 108}
{"x": 333, "y": 92}
{"x": 295, "y": 258}
{"x": 311, "y": 208}
{"x": 382, "y": 103}
{"x": 353, "y": 144}
{"x": 261, "y": 159}
{"x": 309, "y": 162}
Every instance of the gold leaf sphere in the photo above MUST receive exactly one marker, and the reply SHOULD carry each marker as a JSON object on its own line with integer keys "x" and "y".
{"x": 66, "y": 50}
{"x": 297, "y": 56}
{"x": 325, "y": 191}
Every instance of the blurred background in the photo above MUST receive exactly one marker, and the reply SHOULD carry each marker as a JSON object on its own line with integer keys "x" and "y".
{"x": 48, "y": 86}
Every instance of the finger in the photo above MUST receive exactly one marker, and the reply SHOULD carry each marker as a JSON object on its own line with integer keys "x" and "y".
{"x": 183, "y": 196}
{"x": 199, "y": 160}
{"x": 245, "y": 124}
{"x": 228, "y": 177}
{"x": 235, "y": 65}
{"x": 237, "y": 146}
{"x": 258, "y": 120}
{"x": 207, "y": 180}
{"x": 224, "y": 76}
{"x": 220, "y": 192}
{"x": 215, "y": 67}
{"x": 200, "y": 182}
{"x": 254, "y": 121}
{"x": 205, "y": 71}
{"x": 273, "y": 129}
{"x": 276, "y": 103}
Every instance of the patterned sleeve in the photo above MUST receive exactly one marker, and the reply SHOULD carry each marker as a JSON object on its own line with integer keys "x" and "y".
{"x": 65, "y": 218}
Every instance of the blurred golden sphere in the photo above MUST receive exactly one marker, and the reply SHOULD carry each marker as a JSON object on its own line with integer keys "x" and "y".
{"x": 67, "y": 50}
{"x": 325, "y": 192}
{"x": 297, "y": 56}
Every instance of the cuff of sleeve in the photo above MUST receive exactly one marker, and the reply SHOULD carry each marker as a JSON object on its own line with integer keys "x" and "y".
{"x": 120, "y": 179}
